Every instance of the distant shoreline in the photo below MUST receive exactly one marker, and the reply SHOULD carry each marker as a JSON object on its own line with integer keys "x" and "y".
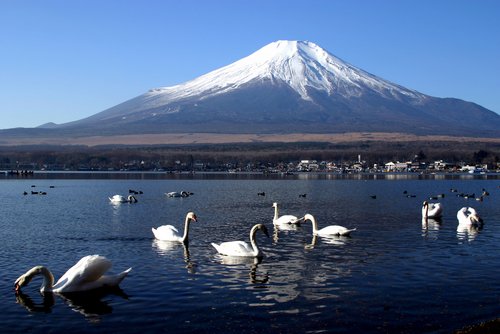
{"x": 37, "y": 175}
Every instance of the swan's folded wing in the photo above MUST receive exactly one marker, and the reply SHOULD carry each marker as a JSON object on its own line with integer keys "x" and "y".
{"x": 286, "y": 219}
{"x": 235, "y": 248}
{"x": 336, "y": 230}
{"x": 90, "y": 268}
{"x": 166, "y": 229}
{"x": 166, "y": 232}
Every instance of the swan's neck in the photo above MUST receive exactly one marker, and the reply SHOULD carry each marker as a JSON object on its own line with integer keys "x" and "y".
{"x": 48, "y": 278}
{"x": 253, "y": 242}
{"x": 185, "y": 237}
{"x": 425, "y": 211}
{"x": 275, "y": 212}
{"x": 314, "y": 224}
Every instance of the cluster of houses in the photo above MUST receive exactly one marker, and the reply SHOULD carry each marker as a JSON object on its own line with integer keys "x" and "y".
{"x": 345, "y": 167}
{"x": 393, "y": 167}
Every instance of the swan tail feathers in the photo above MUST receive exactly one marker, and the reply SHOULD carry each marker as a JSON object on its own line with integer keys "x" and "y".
{"x": 123, "y": 274}
{"x": 155, "y": 232}
{"x": 216, "y": 246}
{"x": 348, "y": 232}
{"x": 114, "y": 280}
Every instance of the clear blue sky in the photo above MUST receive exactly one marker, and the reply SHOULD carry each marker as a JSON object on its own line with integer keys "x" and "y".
{"x": 63, "y": 60}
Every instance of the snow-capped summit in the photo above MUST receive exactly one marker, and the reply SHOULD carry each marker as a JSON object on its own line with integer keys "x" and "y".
{"x": 291, "y": 86}
{"x": 300, "y": 64}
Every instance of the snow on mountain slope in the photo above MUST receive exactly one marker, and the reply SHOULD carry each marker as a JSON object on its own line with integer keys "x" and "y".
{"x": 289, "y": 85}
{"x": 300, "y": 64}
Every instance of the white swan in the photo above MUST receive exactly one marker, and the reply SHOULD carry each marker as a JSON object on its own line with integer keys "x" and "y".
{"x": 432, "y": 210}
{"x": 241, "y": 248}
{"x": 285, "y": 219}
{"x": 468, "y": 217}
{"x": 116, "y": 199}
{"x": 86, "y": 274}
{"x": 329, "y": 230}
{"x": 170, "y": 233}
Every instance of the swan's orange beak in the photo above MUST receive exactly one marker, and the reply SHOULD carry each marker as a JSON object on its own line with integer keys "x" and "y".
{"x": 17, "y": 287}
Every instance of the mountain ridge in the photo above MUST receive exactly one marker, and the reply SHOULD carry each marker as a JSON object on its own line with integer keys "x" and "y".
{"x": 286, "y": 87}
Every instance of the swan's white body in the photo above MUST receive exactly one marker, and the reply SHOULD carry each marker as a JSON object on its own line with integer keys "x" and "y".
{"x": 432, "y": 210}
{"x": 285, "y": 219}
{"x": 87, "y": 274}
{"x": 329, "y": 230}
{"x": 116, "y": 199}
{"x": 242, "y": 248}
{"x": 468, "y": 217}
{"x": 170, "y": 233}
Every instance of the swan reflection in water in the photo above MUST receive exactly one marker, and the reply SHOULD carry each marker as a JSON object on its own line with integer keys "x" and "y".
{"x": 431, "y": 227}
{"x": 467, "y": 233}
{"x": 278, "y": 278}
{"x": 247, "y": 262}
{"x": 168, "y": 247}
{"x": 285, "y": 229}
{"x": 91, "y": 304}
{"x": 338, "y": 240}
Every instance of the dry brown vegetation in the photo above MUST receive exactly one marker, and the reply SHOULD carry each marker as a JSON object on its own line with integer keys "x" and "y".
{"x": 163, "y": 150}
{"x": 212, "y": 138}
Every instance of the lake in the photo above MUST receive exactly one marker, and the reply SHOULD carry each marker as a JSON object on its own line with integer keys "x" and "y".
{"x": 393, "y": 275}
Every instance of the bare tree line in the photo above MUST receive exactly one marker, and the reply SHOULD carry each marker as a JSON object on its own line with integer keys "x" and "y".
{"x": 150, "y": 157}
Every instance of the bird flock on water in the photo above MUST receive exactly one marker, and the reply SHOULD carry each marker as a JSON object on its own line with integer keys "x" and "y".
{"x": 89, "y": 273}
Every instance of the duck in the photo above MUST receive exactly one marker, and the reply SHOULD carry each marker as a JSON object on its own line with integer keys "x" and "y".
{"x": 285, "y": 219}
{"x": 170, "y": 233}
{"x": 116, "y": 199}
{"x": 242, "y": 248}
{"x": 431, "y": 210}
{"x": 178, "y": 194}
{"x": 87, "y": 274}
{"x": 468, "y": 216}
{"x": 329, "y": 230}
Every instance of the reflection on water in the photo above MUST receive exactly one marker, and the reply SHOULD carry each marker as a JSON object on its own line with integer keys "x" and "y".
{"x": 338, "y": 240}
{"x": 284, "y": 230}
{"x": 238, "y": 260}
{"x": 378, "y": 280}
{"x": 467, "y": 232}
{"x": 242, "y": 265}
{"x": 90, "y": 304}
{"x": 430, "y": 227}
{"x": 164, "y": 247}
{"x": 44, "y": 306}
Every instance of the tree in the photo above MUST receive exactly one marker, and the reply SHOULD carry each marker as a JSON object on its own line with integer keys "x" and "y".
{"x": 479, "y": 156}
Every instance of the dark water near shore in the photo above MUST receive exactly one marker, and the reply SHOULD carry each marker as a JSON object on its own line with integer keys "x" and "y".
{"x": 393, "y": 275}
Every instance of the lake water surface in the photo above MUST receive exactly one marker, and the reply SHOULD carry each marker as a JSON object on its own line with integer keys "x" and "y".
{"x": 393, "y": 275}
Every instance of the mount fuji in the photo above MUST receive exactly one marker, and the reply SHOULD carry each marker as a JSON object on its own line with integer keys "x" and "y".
{"x": 289, "y": 87}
